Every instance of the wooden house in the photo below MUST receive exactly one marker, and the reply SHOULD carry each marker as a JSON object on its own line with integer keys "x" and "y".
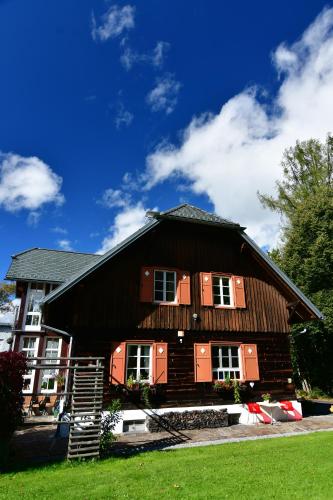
{"x": 186, "y": 301}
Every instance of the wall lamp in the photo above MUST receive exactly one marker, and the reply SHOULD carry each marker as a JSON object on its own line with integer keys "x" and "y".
{"x": 181, "y": 335}
{"x": 195, "y": 316}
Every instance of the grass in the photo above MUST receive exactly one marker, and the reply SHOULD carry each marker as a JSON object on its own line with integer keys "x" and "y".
{"x": 298, "y": 467}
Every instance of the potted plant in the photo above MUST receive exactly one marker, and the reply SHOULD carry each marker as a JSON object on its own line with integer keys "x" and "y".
{"x": 266, "y": 397}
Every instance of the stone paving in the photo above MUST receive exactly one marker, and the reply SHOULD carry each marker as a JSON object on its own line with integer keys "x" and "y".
{"x": 38, "y": 444}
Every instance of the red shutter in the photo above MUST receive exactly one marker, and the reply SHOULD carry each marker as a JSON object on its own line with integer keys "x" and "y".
{"x": 202, "y": 363}
{"x": 206, "y": 289}
{"x": 160, "y": 363}
{"x": 117, "y": 362}
{"x": 183, "y": 287}
{"x": 239, "y": 292}
{"x": 250, "y": 362}
{"x": 147, "y": 284}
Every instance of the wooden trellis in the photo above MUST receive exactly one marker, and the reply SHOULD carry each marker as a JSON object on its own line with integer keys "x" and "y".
{"x": 85, "y": 397}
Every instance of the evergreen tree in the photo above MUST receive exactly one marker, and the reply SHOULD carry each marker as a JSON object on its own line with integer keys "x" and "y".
{"x": 305, "y": 201}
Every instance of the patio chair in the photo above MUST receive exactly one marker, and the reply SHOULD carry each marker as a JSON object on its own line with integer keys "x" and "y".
{"x": 290, "y": 411}
{"x": 262, "y": 417}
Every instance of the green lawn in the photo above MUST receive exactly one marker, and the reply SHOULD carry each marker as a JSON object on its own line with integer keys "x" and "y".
{"x": 294, "y": 467}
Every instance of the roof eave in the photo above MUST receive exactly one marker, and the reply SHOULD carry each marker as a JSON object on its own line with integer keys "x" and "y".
{"x": 198, "y": 221}
{"x": 283, "y": 276}
{"x": 114, "y": 251}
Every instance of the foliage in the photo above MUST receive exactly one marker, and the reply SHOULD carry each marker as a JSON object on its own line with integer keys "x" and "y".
{"x": 6, "y": 291}
{"x": 143, "y": 388}
{"x": 305, "y": 200}
{"x": 251, "y": 469}
{"x": 108, "y": 424}
{"x": 12, "y": 368}
{"x": 266, "y": 396}
{"x": 146, "y": 393}
{"x": 237, "y": 394}
{"x": 314, "y": 393}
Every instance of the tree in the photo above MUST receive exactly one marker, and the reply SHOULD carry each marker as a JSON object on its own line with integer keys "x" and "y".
{"x": 6, "y": 291}
{"x": 305, "y": 201}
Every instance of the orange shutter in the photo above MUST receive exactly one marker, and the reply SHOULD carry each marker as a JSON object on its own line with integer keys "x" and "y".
{"x": 239, "y": 292}
{"x": 202, "y": 363}
{"x": 183, "y": 287}
{"x": 160, "y": 363}
{"x": 250, "y": 362}
{"x": 206, "y": 289}
{"x": 147, "y": 284}
{"x": 117, "y": 362}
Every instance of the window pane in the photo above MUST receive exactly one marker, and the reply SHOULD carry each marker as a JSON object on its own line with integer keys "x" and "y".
{"x": 52, "y": 344}
{"x": 225, "y": 282}
{"x": 216, "y": 362}
{"x": 144, "y": 374}
{"x": 131, "y": 373}
{"x": 145, "y": 350}
{"x": 216, "y": 281}
{"x": 235, "y": 363}
{"x": 234, "y": 351}
{"x": 170, "y": 296}
{"x": 225, "y": 351}
{"x": 158, "y": 295}
{"x": 132, "y": 350}
{"x": 225, "y": 362}
{"x": 170, "y": 287}
{"x": 170, "y": 276}
{"x": 159, "y": 275}
{"x": 159, "y": 285}
{"x": 132, "y": 362}
{"x": 226, "y": 301}
{"x": 144, "y": 363}
{"x": 217, "y": 300}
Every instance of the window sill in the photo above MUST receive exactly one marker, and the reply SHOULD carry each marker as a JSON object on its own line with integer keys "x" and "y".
{"x": 157, "y": 303}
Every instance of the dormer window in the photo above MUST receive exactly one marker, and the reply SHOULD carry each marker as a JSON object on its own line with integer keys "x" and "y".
{"x": 164, "y": 286}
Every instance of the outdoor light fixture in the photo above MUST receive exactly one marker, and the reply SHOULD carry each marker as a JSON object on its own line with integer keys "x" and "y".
{"x": 181, "y": 334}
{"x": 251, "y": 385}
{"x": 195, "y": 316}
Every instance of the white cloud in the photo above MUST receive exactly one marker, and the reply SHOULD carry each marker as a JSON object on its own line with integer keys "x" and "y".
{"x": 65, "y": 245}
{"x": 164, "y": 96}
{"x": 115, "y": 198}
{"x": 59, "y": 230}
{"x": 27, "y": 183}
{"x": 231, "y": 155}
{"x": 126, "y": 222}
{"x": 114, "y": 22}
{"x": 129, "y": 57}
{"x": 123, "y": 117}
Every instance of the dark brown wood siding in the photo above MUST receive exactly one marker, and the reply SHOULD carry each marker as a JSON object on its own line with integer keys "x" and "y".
{"x": 109, "y": 297}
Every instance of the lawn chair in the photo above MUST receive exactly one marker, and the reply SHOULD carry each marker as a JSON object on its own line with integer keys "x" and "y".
{"x": 262, "y": 417}
{"x": 287, "y": 408}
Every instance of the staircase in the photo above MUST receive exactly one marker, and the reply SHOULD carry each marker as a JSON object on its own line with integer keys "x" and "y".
{"x": 87, "y": 400}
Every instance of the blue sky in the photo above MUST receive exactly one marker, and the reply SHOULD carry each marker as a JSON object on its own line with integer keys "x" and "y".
{"x": 108, "y": 109}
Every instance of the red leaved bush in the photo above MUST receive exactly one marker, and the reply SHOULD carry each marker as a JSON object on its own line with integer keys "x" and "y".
{"x": 12, "y": 368}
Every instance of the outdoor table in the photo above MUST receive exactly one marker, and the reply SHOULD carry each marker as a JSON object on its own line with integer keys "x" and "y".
{"x": 270, "y": 407}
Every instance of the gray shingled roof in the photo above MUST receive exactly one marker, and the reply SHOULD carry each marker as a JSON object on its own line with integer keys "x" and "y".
{"x": 40, "y": 264}
{"x": 183, "y": 212}
{"x": 194, "y": 214}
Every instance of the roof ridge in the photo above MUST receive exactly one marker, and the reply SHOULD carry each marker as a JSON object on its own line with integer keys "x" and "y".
{"x": 55, "y": 250}
{"x": 175, "y": 208}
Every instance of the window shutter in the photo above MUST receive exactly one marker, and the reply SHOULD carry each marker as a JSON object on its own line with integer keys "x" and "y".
{"x": 117, "y": 363}
{"x": 160, "y": 363}
{"x": 206, "y": 289}
{"x": 239, "y": 292}
{"x": 202, "y": 363}
{"x": 183, "y": 287}
{"x": 147, "y": 284}
{"x": 250, "y": 362}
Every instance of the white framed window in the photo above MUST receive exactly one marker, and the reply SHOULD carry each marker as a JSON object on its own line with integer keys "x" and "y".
{"x": 33, "y": 317}
{"x": 29, "y": 347}
{"x": 165, "y": 286}
{"x": 226, "y": 362}
{"x": 139, "y": 362}
{"x": 222, "y": 291}
{"x": 48, "y": 377}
